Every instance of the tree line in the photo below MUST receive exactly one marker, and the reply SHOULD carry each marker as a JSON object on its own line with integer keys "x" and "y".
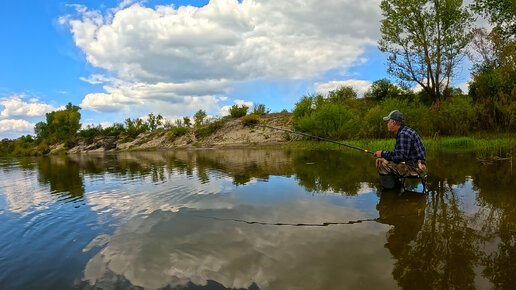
{"x": 424, "y": 42}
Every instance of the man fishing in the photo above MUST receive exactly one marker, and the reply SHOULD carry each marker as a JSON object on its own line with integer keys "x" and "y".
{"x": 408, "y": 157}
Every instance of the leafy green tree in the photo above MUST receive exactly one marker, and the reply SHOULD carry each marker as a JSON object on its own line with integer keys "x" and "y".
{"x": 133, "y": 127}
{"x": 154, "y": 121}
{"x": 187, "y": 122}
{"x": 501, "y": 13}
{"x": 237, "y": 111}
{"x": 260, "y": 109}
{"x": 116, "y": 129}
{"x": 60, "y": 125}
{"x": 424, "y": 41}
{"x": 494, "y": 83}
{"x": 382, "y": 89}
{"x": 341, "y": 94}
{"x": 199, "y": 117}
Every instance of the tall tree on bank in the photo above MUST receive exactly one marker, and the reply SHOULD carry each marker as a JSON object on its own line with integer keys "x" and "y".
{"x": 60, "y": 125}
{"x": 502, "y": 14}
{"x": 425, "y": 41}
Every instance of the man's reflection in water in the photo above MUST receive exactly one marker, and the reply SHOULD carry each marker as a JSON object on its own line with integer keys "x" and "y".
{"x": 406, "y": 213}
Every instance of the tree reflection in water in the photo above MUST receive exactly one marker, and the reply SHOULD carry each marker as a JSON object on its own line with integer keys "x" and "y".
{"x": 435, "y": 240}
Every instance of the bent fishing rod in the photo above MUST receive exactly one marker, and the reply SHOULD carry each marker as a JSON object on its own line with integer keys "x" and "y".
{"x": 311, "y": 136}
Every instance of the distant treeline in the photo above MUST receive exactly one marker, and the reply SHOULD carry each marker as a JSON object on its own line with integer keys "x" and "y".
{"x": 63, "y": 127}
{"x": 423, "y": 41}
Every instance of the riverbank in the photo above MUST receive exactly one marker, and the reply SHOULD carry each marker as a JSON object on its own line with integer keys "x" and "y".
{"x": 484, "y": 145}
{"x": 231, "y": 133}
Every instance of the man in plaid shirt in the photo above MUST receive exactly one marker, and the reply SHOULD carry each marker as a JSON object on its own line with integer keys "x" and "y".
{"x": 408, "y": 157}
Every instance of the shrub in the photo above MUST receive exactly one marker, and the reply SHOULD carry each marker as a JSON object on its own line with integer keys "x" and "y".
{"x": 208, "y": 129}
{"x": 250, "y": 119}
{"x": 116, "y": 130}
{"x": 199, "y": 118}
{"x": 176, "y": 132}
{"x": 330, "y": 121}
{"x": 238, "y": 111}
{"x": 260, "y": 110}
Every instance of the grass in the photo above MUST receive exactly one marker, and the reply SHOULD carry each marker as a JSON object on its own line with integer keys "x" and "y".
{"x": 484, "y": 145}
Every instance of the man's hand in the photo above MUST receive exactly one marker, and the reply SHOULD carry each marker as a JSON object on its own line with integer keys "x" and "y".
{"x": 378, "y": 153}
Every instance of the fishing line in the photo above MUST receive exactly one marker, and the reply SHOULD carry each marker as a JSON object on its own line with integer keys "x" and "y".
{"x": 311, "y": 136}
{"x": 324, "y": 224}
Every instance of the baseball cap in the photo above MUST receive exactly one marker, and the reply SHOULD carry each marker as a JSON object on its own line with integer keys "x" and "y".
{"x": 394, "y": 115}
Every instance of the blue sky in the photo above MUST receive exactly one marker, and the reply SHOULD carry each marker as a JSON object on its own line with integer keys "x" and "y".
{"x": 126, "y": 59}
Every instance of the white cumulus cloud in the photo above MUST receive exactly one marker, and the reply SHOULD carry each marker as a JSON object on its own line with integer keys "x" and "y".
{"x": 182, "y": 52}
{"x": 359, "y": 86}
{"x": 20, "y": 126}
{"x": 15, "y": 106}
{"x": 224, "y": 111}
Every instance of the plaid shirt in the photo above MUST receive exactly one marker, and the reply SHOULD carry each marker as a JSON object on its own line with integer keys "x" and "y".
{"x": 408, "y": 147}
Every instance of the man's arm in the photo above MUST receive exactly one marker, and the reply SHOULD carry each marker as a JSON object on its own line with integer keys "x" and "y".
{"x": 401, "y": 149}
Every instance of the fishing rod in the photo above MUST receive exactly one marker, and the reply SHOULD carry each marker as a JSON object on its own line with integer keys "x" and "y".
{"x": 311, "y": 136}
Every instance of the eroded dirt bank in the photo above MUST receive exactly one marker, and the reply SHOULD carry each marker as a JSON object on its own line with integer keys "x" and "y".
{"x": 233, "y": 133}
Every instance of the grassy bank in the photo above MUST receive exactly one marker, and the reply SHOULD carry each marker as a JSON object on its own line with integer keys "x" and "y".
{"x": 484, "y": 145}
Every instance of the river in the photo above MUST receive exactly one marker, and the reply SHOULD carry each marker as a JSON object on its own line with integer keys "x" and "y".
{"x": 256, "y": 218}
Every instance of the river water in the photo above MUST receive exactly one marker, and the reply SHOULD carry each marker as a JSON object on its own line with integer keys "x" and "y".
{"x": 253, "y": 219}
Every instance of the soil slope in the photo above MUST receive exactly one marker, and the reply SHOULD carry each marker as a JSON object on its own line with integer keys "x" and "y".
{"x": 233, "y": 133}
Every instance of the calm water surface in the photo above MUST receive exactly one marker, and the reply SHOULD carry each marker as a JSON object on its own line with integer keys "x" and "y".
{"x": 253, "y": 218}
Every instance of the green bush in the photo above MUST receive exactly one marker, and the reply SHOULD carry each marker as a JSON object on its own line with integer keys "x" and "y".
{"x": 199, "y": 118}
{"x": 208, "y": 129}
{"x": 330, "y": 120}
{"x": 460, "y": 115}
{"x": 260, "y": 110}
{"x": 116, "y": 130}
{"x": 238, "y": 111}
{"x": 250, "y": 119}
{"x": 176, "y": 132}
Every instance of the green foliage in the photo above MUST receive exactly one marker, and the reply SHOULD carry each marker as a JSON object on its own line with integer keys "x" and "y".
{"x": 494, "y": 88}
{"x": 502, "y": 14}
{"x": 329, "y": 120}
{"x": 90, "y": 132}
{"x": 116, "y": 130}
{"x": 304, "y": 108}
{"x": 382, "y": 89}
{"x": 250, "y": 119}
{"x": 60, "y": 125}
{"x": 423, "y": 40}
{"x": 153, "y": 122}
{"x": 187, "y": 122}
{"x": 133, "y": 127}
{"x": 208, "y": 129}
{"x": 342, "y": 94}
{"x": 199, "y": 118}
{"x": 260, "y": 109}
{"x": 237, "y": 111}
{"x": 176, "y": 132}
{"x": 457, "y": 116}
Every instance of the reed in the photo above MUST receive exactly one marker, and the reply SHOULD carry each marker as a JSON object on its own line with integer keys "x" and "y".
{"x": 485, "y": 145}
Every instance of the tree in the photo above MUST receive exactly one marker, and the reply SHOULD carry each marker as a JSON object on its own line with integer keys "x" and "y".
{"x": 154, "y": 121}
{"x": 60, "y": 125}
{"x": 341, "y": 94}
{"x": 187, "y": 122}
{"x": 199, "y": 117}
{"x": 382, "y": 89}
{"x": 501, "y": 13}
{"x": 237, "y": 111}
{"x": 425, "y": 41}
{"x": 260, "y": 109}
{"x": 494, "y": 82}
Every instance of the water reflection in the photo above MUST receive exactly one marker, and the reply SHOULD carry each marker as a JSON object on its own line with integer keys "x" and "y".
{"x": 197, "y": 246}
{"x": 213, "y": 218}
